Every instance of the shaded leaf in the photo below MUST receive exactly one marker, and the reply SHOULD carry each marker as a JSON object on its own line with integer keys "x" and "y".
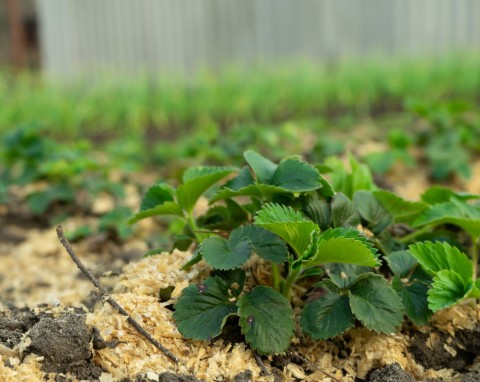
{"x": 344, "y": 211}
{"x": 402, "y": 211}
{"x": 414, "y": 299}
{"x": 372, "y": 211}
{"x": 327, "y": 316}
{"x": 376, "y": 304}
{"x": 265, "y": 244}
{"x": 266, "y": 320}
{"x": 202, "y": 309}
{"x": 220, "y": 253}
{"x": 345, "y": 274}
{"x": 401, "y": 262}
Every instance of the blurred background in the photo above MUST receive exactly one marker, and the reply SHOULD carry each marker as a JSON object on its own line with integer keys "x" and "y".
{"x": 93, "y": 92}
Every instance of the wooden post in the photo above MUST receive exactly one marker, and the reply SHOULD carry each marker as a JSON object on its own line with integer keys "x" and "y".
{"x": 17, "y": 34}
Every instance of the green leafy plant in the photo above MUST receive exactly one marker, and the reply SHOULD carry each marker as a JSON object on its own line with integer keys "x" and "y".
{"x": 327, "y": 236}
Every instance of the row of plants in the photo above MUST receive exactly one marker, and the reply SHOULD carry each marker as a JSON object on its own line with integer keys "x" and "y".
{"x": 365, "y": 255}
{"x": 262, "y": 95}
{"x": 56, "y": 181}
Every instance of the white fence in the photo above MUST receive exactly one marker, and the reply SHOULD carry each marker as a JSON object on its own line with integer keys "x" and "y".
{"x": 131, "y": 36}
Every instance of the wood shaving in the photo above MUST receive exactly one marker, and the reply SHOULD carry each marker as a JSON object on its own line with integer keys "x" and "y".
{"x": 27, "y": 370}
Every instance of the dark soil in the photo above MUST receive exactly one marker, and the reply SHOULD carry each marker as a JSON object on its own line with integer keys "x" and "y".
{"x": 14, "y": 323}
{"x": 390, "y": 373}
{"x": 165, "y": 377}
{"x": 456, "y": 352}
{"x": 63, "y": 341}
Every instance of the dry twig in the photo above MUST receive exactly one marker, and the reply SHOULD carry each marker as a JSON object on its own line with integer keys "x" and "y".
{"x": 106, "y": 296}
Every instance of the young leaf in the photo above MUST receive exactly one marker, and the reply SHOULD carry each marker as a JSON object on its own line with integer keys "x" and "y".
{"x": 402, "y": 211}
{"x": 435, "y": 257}
{"x": 290, "y": 225}
{"x": 414, "y": 299}
{"x": 202, "y": 309}
{"x": 344, "y": 212}
{"x": 448, "y": 288}
{"x": 327, "y": 316}
{"x": 157, "y": 195}
{"x": 372, "y": 211}
{"x": 226, "y": 254}
{"x": 265, "y": 244}
{"x": 158, "y": 200}
{"x": 343, "y": 249}
{"x": 197, "y": 180}
{"x": 266, "y": 320}
{"x": 376, "y": 304}
{"x": 454, "y": 212}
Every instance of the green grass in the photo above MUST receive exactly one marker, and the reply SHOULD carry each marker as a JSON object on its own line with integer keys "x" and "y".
{"x": 262, "y": 95}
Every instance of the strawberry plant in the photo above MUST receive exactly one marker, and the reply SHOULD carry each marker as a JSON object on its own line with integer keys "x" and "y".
{"x": 327, "y": 236}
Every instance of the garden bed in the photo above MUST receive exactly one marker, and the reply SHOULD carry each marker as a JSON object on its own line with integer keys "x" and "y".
{"x": 52, "y": 326}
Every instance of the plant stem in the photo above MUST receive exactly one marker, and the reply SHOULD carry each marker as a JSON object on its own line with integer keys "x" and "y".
{"x": 193, "y": 226}
{"x": 276, "y": 277}
{"x": 413, "y": 235}
{"x": 292, "y": 277}
{"x": 475, "y": 257}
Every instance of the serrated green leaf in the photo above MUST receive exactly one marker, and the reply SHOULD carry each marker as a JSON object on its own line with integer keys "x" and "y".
{"x": 226, "y": 254}
{"x": 294, "y": 175}
{"x": 372, "y": 211}
{"x": 344, "y": 211}
{"x": 265, "y": 244}
{"x": 266, "y": 320}
{"x": 438, "y": 256}
{"x": 262, "y": 167}
{"x": 402, "y": 211}
{"x": 197, "y": 181}
{"x": 448, "y": 288}
{"x": 345, "y": 274}
{"x": 327, "y": 316}
{"x": 401, "y": 262}
{"x": 202, "y": 309}
{"x": 343, "y": 250}
{"x": 414, "y": 299}
{"x": 288, "y": 224}
{"x": 157, "y": 195}
{"x": 454, "y": 212}
{"x": 351, "y": 233}
{"x": 376, "y": 304}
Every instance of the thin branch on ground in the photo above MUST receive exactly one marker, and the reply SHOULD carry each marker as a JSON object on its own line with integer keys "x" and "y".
{"x": 106, "y": 296}
{"x": 313, "y": 366}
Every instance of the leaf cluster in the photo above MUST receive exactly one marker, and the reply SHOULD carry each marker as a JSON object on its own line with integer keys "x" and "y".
{"x": 327, "y": 235}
